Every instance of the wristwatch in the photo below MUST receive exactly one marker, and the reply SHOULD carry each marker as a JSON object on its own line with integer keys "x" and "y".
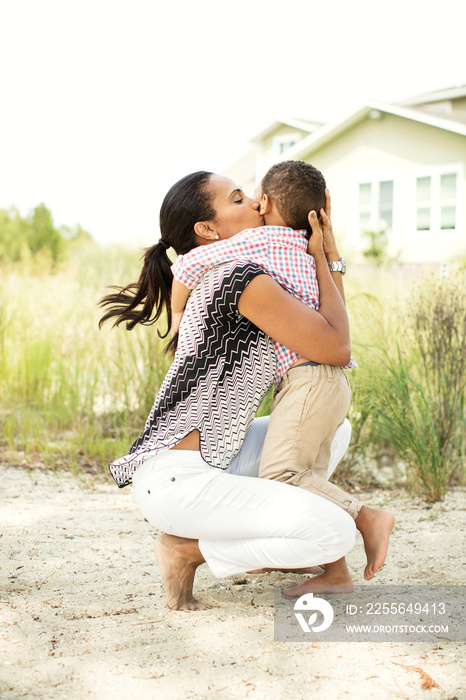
{"x": 338, "y": 266}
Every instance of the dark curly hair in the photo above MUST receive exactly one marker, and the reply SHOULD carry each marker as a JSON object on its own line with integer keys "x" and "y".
{"x": 296, "y": 188}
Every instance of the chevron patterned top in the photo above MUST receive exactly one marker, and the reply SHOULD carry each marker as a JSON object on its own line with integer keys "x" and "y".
{"x": 222, "y": 369}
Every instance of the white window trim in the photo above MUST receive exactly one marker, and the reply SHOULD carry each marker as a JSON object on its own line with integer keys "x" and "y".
{"x": 374, "y": 178}
{"x": 435, "y": 172}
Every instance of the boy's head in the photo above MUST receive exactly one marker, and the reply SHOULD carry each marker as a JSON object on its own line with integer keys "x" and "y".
{"x": 289, "y": 191}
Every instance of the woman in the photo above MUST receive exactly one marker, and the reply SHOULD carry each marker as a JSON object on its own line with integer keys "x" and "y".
{"x": 223, "y": 367}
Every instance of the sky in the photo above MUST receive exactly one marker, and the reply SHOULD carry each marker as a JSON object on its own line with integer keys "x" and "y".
{"x": 106, "y": 103}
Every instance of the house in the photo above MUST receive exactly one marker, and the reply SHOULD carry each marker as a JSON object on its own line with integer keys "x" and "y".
{"x": 393, "y": 168}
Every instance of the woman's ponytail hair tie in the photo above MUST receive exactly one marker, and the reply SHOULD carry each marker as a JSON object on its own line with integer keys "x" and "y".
{"x": 164, "y": 244}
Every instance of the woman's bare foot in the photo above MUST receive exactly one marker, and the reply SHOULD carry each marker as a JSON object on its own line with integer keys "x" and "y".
{"x": 375, "y": 526}
{"x": 335, "y": 579}
{"x": 178, "y": 559}
{"x": 306, "y": 570}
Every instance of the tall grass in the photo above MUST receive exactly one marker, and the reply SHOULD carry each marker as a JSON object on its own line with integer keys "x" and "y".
{"x": 72, "y": 396}
{"x": 411, "y": 388}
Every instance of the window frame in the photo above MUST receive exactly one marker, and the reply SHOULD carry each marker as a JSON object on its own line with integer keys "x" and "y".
{"x": 435, "y": 173}
{"x": 374, "y": 178}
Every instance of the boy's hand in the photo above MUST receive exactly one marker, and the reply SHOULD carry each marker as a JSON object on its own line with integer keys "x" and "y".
{"x": 315, "y": 243}
{"x": 330, "y": 246}
{"x": 176, "y": 321}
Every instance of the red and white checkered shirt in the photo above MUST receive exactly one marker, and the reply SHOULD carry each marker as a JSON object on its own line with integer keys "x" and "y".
{"x": 281, "y": 252}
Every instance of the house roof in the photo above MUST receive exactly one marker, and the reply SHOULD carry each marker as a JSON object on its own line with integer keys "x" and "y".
{"x": 303, "y": 125}
{"x": 451, "y": 93}
{"x": 328, "y": 132}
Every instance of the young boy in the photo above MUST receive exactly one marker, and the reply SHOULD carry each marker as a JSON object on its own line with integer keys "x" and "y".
{"x": 311, "y": 400}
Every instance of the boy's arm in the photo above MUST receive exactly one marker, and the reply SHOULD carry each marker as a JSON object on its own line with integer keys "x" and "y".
{"x": 180, "y": 295}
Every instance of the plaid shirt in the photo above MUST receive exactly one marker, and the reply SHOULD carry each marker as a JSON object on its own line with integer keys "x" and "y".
{"x": 281, "y": 253}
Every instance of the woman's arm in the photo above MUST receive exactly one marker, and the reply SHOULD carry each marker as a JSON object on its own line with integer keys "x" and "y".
{"x": 321, "y": 336}
{"x": 329, "y": 243}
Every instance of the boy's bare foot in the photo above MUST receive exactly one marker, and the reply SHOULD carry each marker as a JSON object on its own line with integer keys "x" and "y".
{"x": 306, "y": 570}
{"x": 375, "y": 526}
{"x": 178, "y": 559}
{"x": 335, "y": 579}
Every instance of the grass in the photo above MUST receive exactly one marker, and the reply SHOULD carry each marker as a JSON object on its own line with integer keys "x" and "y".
{"x": 75, "y": 397}
{"x": 408, "y": 396}
{"x": 69, "y": 392}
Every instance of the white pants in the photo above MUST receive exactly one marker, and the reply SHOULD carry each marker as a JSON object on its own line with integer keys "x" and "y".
{"x": 243, "y": 522}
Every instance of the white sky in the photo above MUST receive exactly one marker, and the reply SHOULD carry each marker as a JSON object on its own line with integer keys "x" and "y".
{"x": 106, "y": 103}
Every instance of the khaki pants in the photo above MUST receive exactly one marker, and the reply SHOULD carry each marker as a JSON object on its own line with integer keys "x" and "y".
{"x": 310, "y": 405}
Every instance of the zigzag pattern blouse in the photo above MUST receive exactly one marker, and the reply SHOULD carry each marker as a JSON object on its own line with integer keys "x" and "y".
{"x": 222, "y": 369}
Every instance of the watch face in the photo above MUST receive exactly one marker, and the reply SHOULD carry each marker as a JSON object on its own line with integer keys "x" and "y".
{"x": 338, "y": 266}
{"x": 342, "y": 266}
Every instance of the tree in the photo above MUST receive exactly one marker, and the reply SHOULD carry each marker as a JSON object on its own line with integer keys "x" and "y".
{"x": 42, "y": 233}
{"x": 14, "y": 234}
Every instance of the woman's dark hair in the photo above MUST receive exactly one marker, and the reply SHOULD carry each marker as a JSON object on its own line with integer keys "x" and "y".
{"x": 186, "y": 203}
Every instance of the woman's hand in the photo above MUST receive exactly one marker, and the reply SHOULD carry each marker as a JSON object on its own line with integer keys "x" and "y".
{"x": 330, "y": 246}
{"x": 329, "y": 243}
{"x": 315, "y": 243}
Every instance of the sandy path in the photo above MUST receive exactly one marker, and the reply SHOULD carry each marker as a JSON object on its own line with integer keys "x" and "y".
{"x": 83, "y": 612}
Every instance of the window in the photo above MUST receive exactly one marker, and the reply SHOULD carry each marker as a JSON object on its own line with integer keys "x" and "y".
{"x": 283, "y": 142}
{"x": 375, "y": 205}
{"x": 423, "y": 197}
{"x": 437, "y": 199}
{"x": 448, "y": 201}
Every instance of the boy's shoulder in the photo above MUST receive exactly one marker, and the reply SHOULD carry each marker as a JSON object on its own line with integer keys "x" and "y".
{"x": 283, "y": 231}
{"x": 286, "y": 231}
{"x": 258, "y": 238}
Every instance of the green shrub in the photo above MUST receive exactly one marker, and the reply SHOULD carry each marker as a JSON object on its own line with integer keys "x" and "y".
{"x": 376, "y": 250}
{"x": 414, "y": 396}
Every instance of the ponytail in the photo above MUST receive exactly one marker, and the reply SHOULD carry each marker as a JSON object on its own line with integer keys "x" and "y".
{"x": 144, "y": 301}
{"x": 135, "y": 303}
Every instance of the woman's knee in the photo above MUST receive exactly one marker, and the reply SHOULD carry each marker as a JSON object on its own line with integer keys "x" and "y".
{"x": 320, "y": 520}
{"x": 338, "y": 534}
{"x": 345, "y": 529}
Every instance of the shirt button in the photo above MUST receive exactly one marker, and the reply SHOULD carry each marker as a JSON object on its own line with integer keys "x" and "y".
{"x": 172, "y": 479}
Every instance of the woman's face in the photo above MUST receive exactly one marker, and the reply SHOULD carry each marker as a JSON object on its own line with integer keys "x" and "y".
{"x": 233, "y": 210}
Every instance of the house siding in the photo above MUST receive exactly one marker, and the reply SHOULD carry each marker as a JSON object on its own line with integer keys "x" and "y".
{"x": 396, "y": 148}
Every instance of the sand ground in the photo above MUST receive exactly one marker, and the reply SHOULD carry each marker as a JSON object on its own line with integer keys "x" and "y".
{"x": 83, "y": 611}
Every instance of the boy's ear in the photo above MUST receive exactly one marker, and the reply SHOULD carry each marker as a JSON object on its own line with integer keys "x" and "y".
{"x": 203, "y": 230}
{"x": 265, "y": 205}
